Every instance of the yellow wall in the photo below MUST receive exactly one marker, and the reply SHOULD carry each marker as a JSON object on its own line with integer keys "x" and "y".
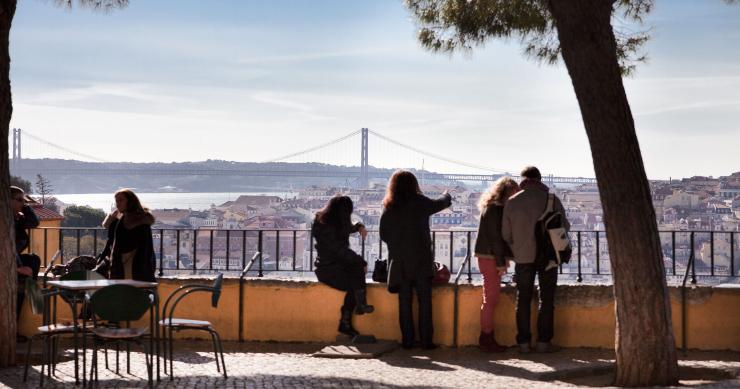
{"x": 52, "y": 241}
{"x": 308, "y": 311}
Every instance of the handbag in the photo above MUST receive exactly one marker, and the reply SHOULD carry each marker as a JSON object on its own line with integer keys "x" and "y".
{"x": 380, "y": 271}
{"x": 441, "y": 274}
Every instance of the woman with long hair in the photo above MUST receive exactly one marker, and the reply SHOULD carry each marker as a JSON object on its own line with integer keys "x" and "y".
{"x": 130, "y": 247}
{"x": 404, "y": 227}
{"x": 337, "y": 265}
{"x": 493, "y": 255}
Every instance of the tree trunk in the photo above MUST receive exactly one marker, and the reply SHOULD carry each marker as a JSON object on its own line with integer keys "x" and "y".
{"x": 645, "y": 347}
{"x": 8, "y": 277}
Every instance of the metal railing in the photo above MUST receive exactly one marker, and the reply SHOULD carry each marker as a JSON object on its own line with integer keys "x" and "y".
{"x": 291, "y": 251}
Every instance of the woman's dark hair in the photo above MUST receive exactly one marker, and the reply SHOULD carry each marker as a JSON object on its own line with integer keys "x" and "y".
{"x": 402, "y": 186}
{"x": 337, "y": 212}
{"x": 133, "y": 204}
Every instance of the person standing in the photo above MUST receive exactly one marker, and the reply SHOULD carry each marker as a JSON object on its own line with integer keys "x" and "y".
{"x": 520, "y": 217}
{"x": 130, "y": 247}
{"x": 404, "y": 227}
{"x": 337, "y": 265}
{"x": 493, "y": 256}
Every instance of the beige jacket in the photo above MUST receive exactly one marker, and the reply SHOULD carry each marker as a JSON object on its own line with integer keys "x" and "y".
{"x": 520, "y": 216}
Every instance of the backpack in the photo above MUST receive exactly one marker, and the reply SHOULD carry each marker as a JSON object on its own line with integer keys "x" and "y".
{"x": 552, "y": 238}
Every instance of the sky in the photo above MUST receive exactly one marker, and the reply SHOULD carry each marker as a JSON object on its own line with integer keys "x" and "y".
{"x": 177, "y": 80}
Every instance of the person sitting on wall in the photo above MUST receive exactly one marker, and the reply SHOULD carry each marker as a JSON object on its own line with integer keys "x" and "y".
{"x": 337, "y": 265}
{"x": 27, "y": 264}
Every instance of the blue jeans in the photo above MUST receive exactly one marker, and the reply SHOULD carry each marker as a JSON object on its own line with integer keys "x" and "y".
{"x": 423, "y": 286}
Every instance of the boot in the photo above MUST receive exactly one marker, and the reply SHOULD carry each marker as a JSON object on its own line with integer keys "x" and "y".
{"x": 361, "y": 298}
{"x": 487, "y": 343}
{"x": 345, "y": 324}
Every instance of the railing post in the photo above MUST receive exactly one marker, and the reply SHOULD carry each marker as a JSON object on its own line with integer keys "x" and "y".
{"x": 46, "y": 245}
{"x": 177, "y": 251}
{"x": 244, "y": 248}
{"x": 77, "y": 233}
{"x": 732, "y": 254}
{"x": 294, "y": 248}
{"x": 673, "y": 250}
{"x": 95, "y": 242}
{"x": 452, "y": 252}
{"x": 259, "y": 248}
{"x": 310, "y": 249}
{"x": 598, "y": 253}
{"x": 228, "y": 247}
{"x": 61, "y": 245}
{"x": 693, "y": 263}
{"x": 210, "y": 252}
{"x": 195, "y": 251}
{"x": 579, "y": 278}
{"x": 277, "y": 250}
{"x": 711, "y": 252}
{"x": 470, "y": 254}
{"x": 161, "y": 252}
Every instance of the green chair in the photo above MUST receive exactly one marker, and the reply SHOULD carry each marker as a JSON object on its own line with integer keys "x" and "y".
{"x": 119, "y": 304}
{"x": 172, "y": 324}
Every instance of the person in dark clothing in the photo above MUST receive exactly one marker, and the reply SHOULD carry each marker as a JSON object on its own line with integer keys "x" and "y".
{"x": 336, "y": 264}
{"x": 27, "y": 264}
{"x": 493, "y": 256}
{"x": 129, "y": 247}
{"x": 404, "y": 227}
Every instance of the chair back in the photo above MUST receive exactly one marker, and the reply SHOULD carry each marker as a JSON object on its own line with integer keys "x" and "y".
{"x": 217, "y": 283}
{"x": 119, "y": 303}
{"x": 82, "y": 275}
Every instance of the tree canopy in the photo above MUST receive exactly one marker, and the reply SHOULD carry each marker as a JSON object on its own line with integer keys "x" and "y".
{"x": 82, "y": 216}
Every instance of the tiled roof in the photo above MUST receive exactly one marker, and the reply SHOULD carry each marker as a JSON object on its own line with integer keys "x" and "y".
{"x": 45, "y": 213}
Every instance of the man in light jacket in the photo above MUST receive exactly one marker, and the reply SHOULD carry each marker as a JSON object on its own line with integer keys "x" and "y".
{"x": 519, "y": 220}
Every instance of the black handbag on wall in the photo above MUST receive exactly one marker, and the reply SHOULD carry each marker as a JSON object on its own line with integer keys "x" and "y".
{"x": 380, "y": 271}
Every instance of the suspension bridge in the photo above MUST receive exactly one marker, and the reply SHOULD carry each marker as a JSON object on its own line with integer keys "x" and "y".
{"x": 333, "y": 159}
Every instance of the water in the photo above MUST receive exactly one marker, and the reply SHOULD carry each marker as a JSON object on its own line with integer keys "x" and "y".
{"x": 194, "y": 201}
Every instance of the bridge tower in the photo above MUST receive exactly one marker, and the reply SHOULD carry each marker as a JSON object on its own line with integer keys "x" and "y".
{"x": 364, "y": 179}
{"x": 16, "y": 144}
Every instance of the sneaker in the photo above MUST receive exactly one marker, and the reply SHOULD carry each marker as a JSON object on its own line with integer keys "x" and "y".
{"x": 547, "y": 347}
{"x": 525, "y": 348}
{"x": 429, "y": 346}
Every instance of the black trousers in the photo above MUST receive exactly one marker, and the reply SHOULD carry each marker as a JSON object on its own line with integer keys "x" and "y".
{"x": 346, "y": 279}
{"x": 34, "y": 262}
{"x": 525, "y": 274}
{"x": 423, "y": 287}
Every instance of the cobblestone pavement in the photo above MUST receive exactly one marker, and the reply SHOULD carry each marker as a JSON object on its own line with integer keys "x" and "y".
{"x": 290, "y": 365}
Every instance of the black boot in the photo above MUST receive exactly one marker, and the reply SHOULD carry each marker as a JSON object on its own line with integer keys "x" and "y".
{"x": 361, "y": 299}
{"x": 345, "y": 324}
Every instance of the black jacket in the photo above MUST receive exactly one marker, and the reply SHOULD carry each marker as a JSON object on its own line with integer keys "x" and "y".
{"x": 490, "y": 242}
{"x": 332, "y": 246}
{"x": 405, "y": 229}
{"x": 132, "y": 232}
{"x": 22, "y": 224}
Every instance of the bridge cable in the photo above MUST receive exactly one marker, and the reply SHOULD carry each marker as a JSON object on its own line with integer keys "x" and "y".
{"x": 54, "y": 145}
{"x": 306, "y": 151}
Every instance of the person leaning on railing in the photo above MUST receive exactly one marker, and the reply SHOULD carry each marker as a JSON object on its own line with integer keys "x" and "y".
{"x": 404, "y": 227}
{"x": 337, "y": 265}
{"x": 493, "y": 256}
{"x": 130, "y": 248}
{"x": 27, "y": 265}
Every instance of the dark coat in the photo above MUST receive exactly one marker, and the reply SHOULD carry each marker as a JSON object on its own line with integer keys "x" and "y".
{"x": 22, "y": 224}
{"x": 132, "y": 232}
{"x": 405, "y": 229}
{"x": 332, "y": 247}
{"x": 490, "y": 242}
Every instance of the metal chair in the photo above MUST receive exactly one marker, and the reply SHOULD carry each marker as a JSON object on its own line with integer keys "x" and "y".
{"x": 172, "y": 324}
{"x": 119, "y": 304}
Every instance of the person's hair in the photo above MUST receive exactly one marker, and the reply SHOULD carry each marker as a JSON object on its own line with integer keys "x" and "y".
{"x": 14, "y": 190}
{"x": 497, "y": 192}
{"x": 133, "y": 204}
{"x": 337, "y": 212}
{"x": 531, "y": 172}
{"x": 402, "y": 186}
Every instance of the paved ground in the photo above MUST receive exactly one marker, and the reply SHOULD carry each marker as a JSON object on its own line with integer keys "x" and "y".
{"x": 290, "y": 365}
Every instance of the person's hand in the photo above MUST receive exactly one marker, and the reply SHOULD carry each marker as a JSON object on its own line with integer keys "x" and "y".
{"x": 503, "y": 269}
{"x": 363, "y": 232}
{"x": 26, "y": 271}
{"x": 115, "y": 214}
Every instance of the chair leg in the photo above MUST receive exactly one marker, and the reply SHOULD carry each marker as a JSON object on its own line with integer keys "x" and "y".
{"x": 28, "y": 359}
{"x": 94, "y": 364}
{"x": 118, "y": 349}
{"x": 163, "y": 350}
{"x": 149, "y": 359}
{"x": 221, "y": 348}
{"x": 172, "y": 356}
{"x": 128, "y": 358}
{"x": 105, "y": 351}
{"x": 215, "y": 350}
{"x": 54, "y": 356}
{"x": 44, "y": 356}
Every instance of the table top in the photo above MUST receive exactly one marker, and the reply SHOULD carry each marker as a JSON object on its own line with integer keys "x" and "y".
{"x": 98, "y": 284}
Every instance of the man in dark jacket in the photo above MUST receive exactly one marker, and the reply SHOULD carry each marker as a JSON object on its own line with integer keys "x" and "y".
{"x": 27, "y": 265}
{"x": 521, "y": 214}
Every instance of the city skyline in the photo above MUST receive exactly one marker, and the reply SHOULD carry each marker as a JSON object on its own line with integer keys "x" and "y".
{"x": 225, "y": 80}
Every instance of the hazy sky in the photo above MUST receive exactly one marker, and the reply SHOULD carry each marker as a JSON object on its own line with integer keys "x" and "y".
{"x": 176, "y": 80}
